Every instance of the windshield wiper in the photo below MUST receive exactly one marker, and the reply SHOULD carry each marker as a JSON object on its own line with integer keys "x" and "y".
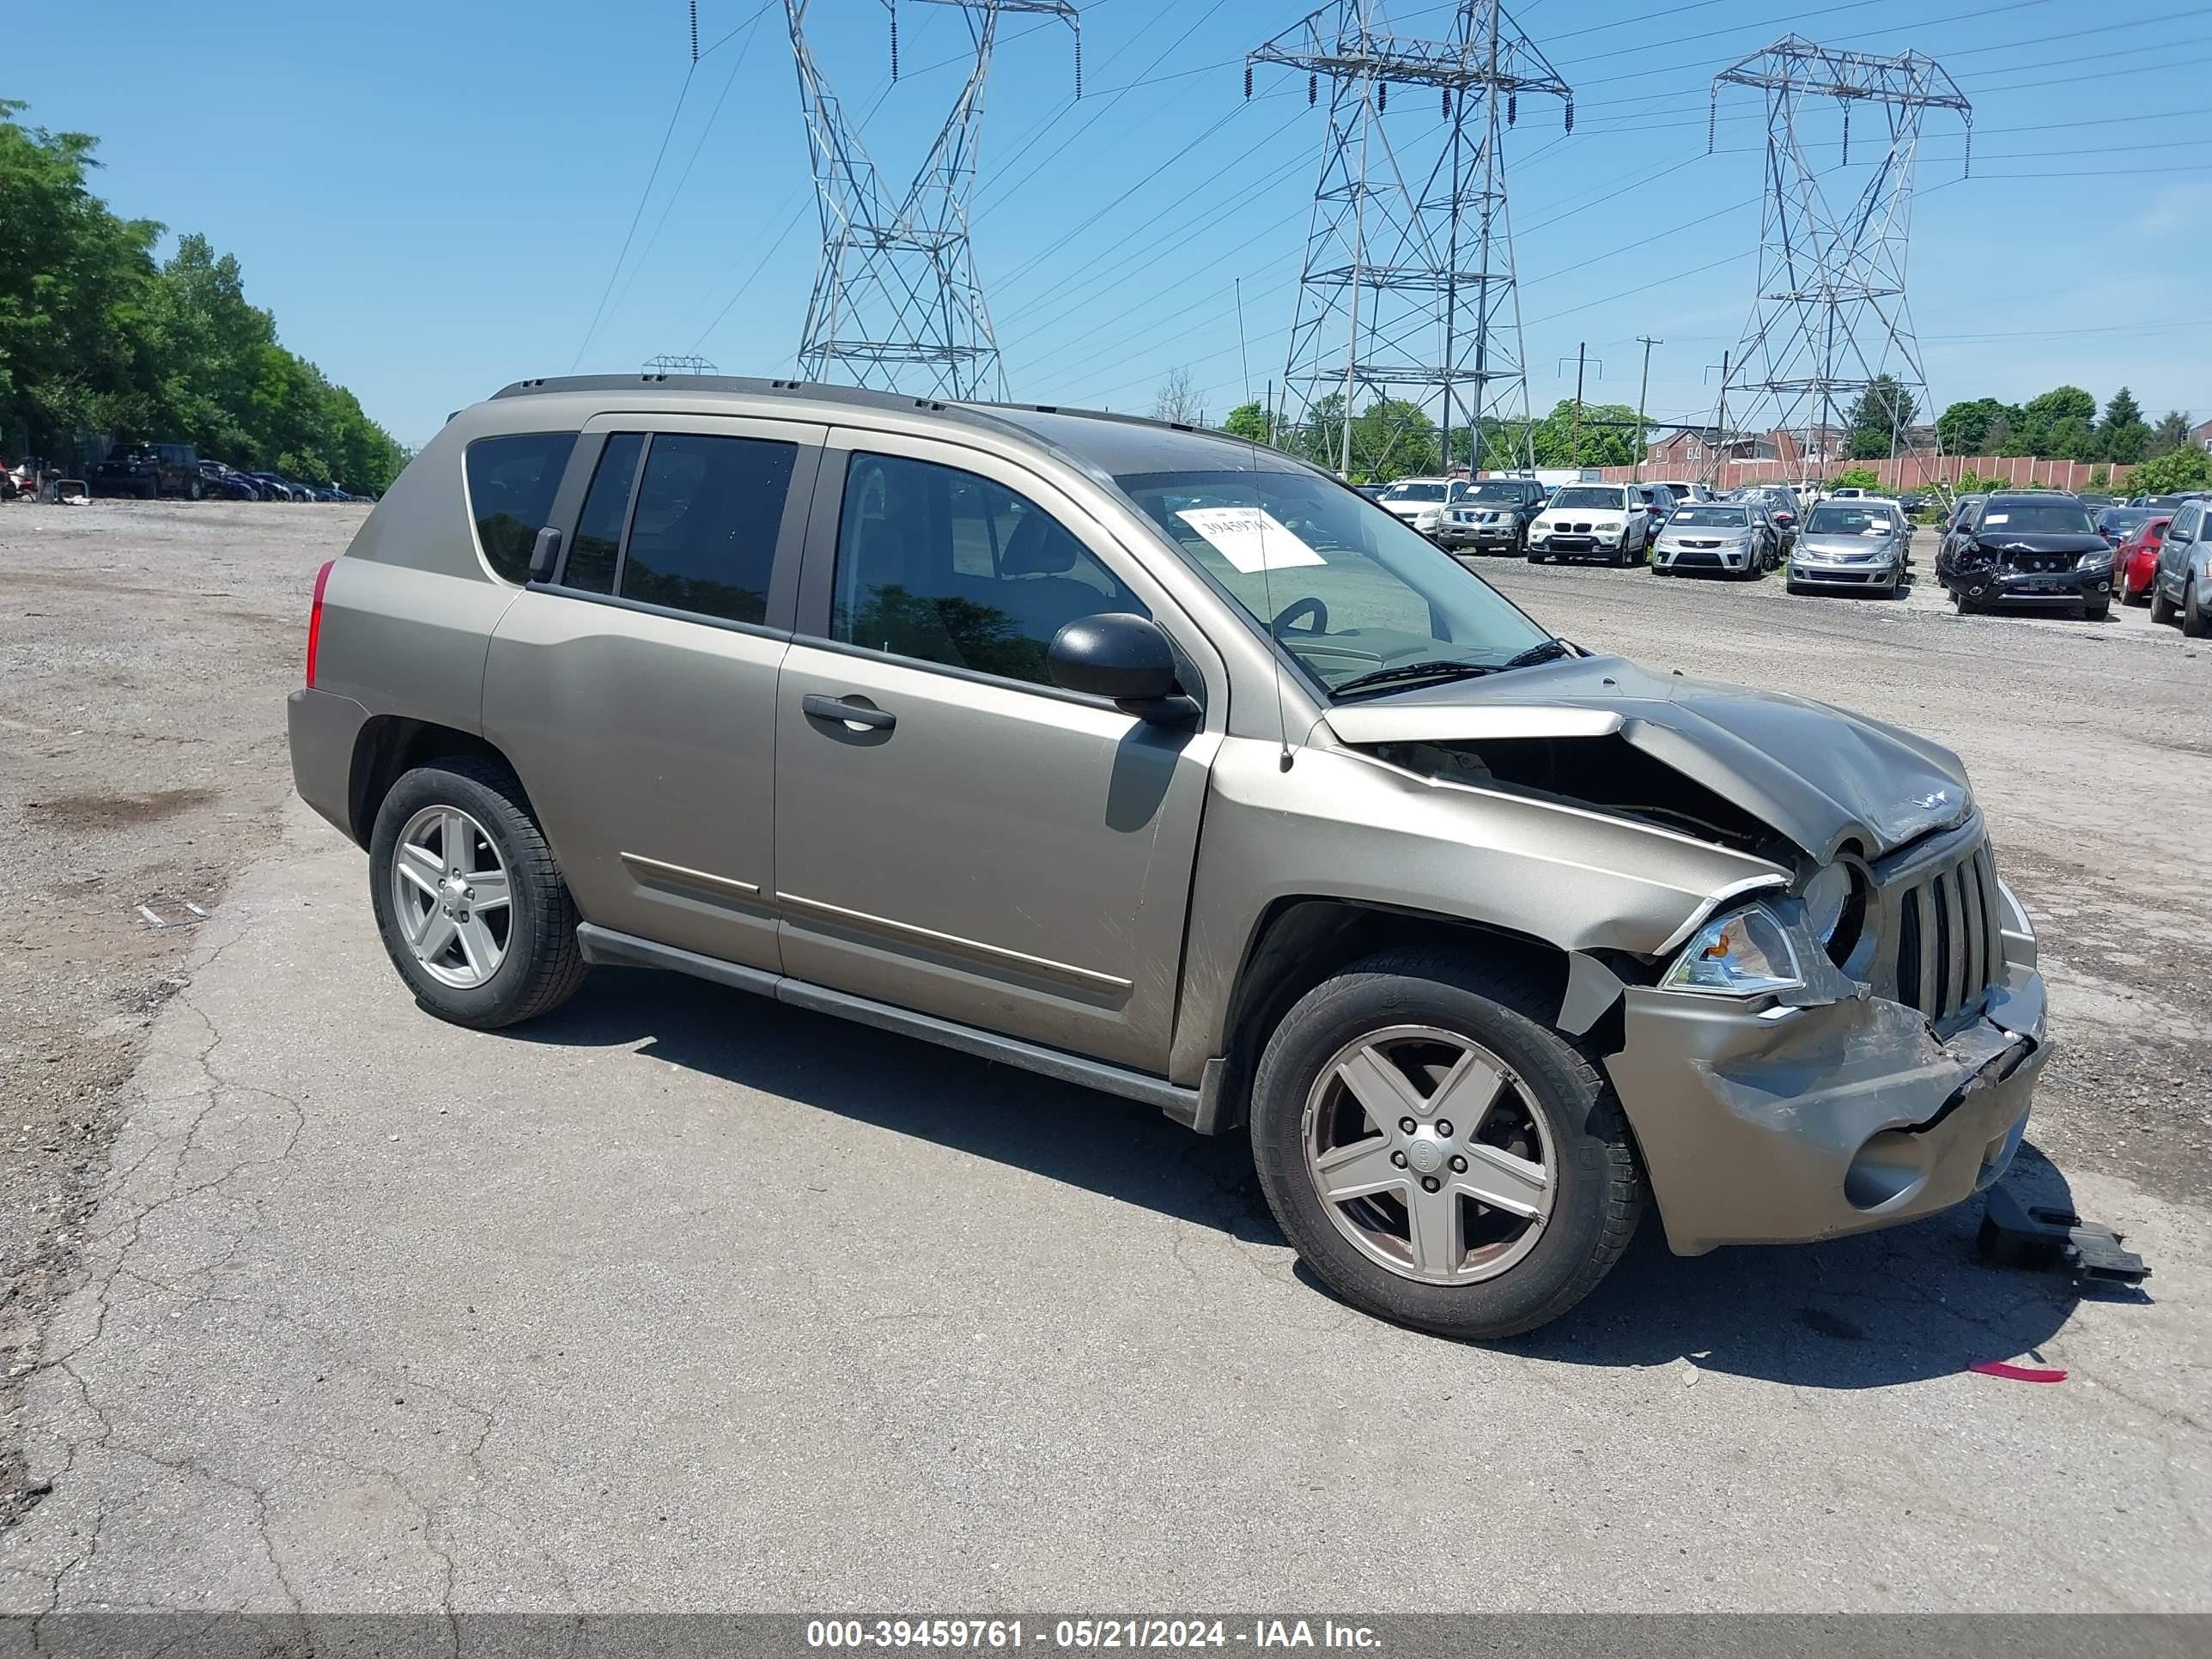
{"x": 1547, "y": 650}
{"x": 1443, "y": 668}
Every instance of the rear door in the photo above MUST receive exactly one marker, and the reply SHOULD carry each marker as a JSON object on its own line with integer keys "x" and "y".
{"x": 954, "y": 834}
{"x": 635, "y": 691}
{"x": 2179, "y": 548}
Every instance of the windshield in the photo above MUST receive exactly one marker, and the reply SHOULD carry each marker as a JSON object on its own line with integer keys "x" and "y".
{"x": 2123, "y": 518}
{"x": 1710, "y": 518}
{"x": 1491, "y": 492}
{"x": 1414, "y": 492}
{"x": 1348, "y": 590}
{"x": 2038, "y": 519}
{"x": 1848, "y": 521}
{"x": 1586, "y": 495}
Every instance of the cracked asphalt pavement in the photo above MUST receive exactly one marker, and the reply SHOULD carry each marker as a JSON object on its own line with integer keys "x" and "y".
{"x": 680, "y": 1300}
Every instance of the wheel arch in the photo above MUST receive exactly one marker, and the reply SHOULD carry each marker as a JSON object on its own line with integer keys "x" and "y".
{"x": 1302, "y": 939}
{"x": 388, "y": 746}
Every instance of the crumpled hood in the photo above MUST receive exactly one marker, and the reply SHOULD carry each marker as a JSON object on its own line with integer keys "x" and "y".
{"x": 2002, "y": 540}
{"x": 1818, "y": 775}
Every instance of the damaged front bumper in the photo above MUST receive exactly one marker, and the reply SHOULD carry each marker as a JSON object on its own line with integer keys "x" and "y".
{"x": 1779, "y": 1124}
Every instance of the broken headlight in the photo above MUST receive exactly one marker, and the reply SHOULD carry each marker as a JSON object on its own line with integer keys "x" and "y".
{"x": 1745, "y": 953}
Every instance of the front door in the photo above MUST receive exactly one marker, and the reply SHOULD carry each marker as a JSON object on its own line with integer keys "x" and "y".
{"x": 635, "y": 691}
{"x": 954, "y": 834}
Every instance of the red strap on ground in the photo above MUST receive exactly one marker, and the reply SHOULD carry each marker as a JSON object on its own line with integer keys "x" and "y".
{"x": 2017, "y": 1373}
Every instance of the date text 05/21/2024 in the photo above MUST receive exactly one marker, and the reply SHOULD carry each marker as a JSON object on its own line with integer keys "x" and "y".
{"x": 1088, "y": 1634}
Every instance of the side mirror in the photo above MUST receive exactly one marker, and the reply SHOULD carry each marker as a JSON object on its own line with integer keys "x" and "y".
{"x": 1125, "y": 658}
{"x": 545, "y": 554}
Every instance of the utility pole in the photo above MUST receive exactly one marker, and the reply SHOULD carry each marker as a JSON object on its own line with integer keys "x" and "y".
{"x": 1721, "y": 444}
{"x": 1643, "y": 390}
{"x": 1574, "y": 438}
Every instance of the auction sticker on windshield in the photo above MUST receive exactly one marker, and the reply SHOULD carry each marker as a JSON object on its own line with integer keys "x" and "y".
{"x": 1251, "y": 537}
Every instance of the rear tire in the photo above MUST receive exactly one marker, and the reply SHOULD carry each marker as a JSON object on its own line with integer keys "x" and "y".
{"x": 1540, "y": 1124}
{"x": 538, "y": 964}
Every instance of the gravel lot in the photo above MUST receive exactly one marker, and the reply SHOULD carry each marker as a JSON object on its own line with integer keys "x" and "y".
{"x": 684, "y": 1302}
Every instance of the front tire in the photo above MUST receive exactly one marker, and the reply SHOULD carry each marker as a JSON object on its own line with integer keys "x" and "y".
{"x": 2193, "y": 622}
{"x": 2162, "y": 610}
{"x": 1480, "y": 1228}
{"x": 469, "y": 900}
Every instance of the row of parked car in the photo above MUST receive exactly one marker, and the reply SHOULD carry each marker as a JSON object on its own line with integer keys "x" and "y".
{"x": 1846, "y": 541}
{"x": 148, "y": 471}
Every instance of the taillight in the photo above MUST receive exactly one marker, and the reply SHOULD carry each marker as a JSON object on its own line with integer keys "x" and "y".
{"x": 315, "y": 620}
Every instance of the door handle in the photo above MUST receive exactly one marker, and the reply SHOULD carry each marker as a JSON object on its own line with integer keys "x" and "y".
{"x": 818, "y": 708}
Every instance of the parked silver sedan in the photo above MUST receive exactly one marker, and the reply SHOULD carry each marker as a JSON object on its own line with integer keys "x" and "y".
{"x": 1733, "y": 538}
{"x": 1861, "y": 545}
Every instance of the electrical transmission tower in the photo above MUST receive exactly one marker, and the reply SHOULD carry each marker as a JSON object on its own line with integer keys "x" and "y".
{"x": 1829, "y": 320}
{"x": 897, "y": 304}
{"x": 1407, "y": 287}
{"x": 679, "y": 363}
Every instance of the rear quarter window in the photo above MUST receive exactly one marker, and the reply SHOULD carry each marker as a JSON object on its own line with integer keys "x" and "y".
{"x": 511, "y": 481}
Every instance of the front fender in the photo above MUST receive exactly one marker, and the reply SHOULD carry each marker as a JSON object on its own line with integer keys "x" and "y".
{"x": 1346, "y": 825}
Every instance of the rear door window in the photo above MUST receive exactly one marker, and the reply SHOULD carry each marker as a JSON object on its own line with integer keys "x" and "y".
{"x": 598, "y": 546}
{"x": 511, "y": 481}
{"x": 703, "y": 536}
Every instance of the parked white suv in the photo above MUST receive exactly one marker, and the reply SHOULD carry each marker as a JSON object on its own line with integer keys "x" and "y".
{"x": 1423, "y": 502}
{"x": 1582, "y": 521}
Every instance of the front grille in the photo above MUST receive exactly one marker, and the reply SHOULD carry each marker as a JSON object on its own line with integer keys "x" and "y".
{"x": 1700, "y": 561}
{"x": 2040, "y": 563}
{"x": 1690, "y": 544}
{"x": 1942, "y": 948}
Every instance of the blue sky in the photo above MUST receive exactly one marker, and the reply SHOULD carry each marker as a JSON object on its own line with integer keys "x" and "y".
{"x": 431, "y": 197}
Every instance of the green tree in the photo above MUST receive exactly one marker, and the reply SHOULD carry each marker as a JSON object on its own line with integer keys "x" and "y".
{"x": 1606, "y": 435}
{"x": 1964, "y": 428}
{"x": 2123, "y": 434}
{"x": 2171, "y": 433}
{"x": 1248, "y": 421}
{"x": 1857, "y": 477}
{"x": 1392, "y": 438}
{"x": 1877, "y": 422}
{"x": 2185, "y": 468}
{"x": 96, "y": 339}
{"x": 2056, "y": 423}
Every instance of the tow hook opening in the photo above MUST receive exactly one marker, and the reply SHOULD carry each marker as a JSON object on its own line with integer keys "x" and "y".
{"x": 1890, "y": 1167}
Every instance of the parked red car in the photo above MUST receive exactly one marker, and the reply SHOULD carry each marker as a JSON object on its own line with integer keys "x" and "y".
{"x": 2135, "y": 561}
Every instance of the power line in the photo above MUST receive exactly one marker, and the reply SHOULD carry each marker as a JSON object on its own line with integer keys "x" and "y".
{"x": 599, "y": 310}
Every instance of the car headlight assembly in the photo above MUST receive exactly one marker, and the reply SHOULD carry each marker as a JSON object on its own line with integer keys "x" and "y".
{"x": 1745, "y": 953}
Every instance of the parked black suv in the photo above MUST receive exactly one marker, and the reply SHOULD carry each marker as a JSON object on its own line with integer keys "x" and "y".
{"x": 1492, "y": 516}
{"x": 2039, "y": 549}
{"x": 149, "y": 470}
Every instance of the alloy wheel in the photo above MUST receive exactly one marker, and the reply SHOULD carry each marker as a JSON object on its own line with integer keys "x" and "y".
{"x": 450, "y": 894}
{"x": 1429, "y": 1154}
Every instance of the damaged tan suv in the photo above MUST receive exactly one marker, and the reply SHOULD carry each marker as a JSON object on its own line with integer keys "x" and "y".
{"x": 1148, "y": 759}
